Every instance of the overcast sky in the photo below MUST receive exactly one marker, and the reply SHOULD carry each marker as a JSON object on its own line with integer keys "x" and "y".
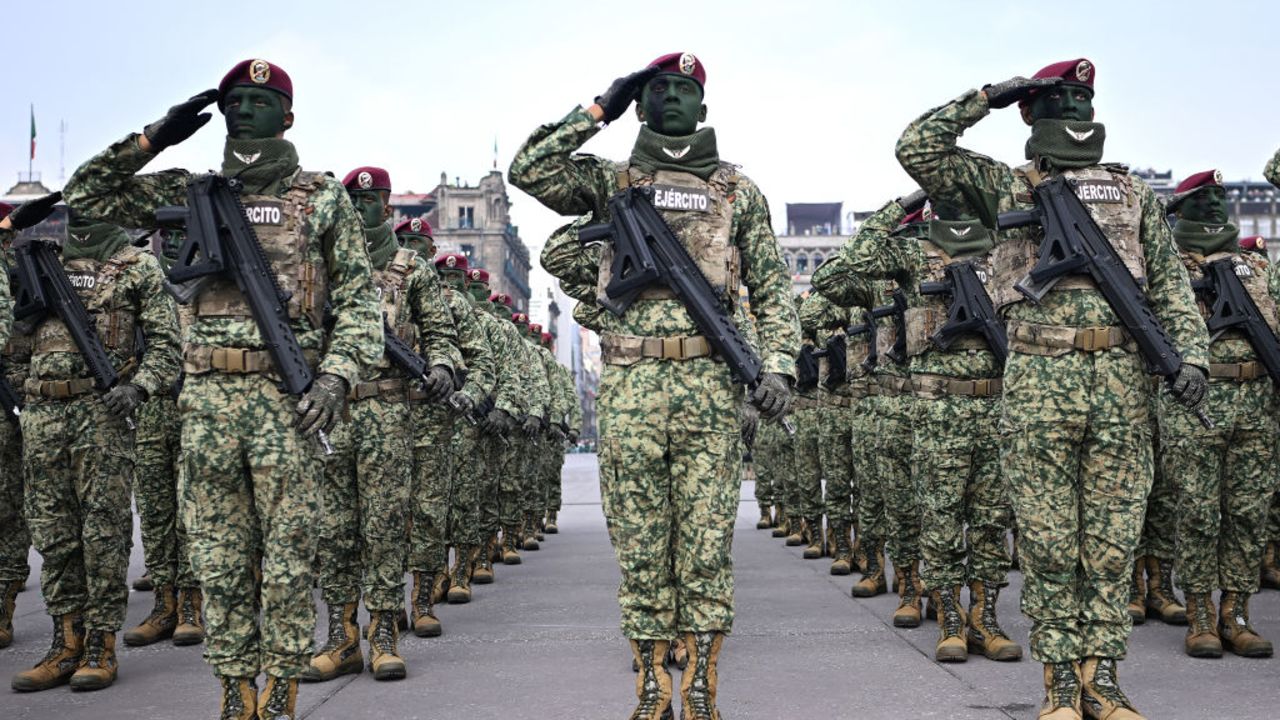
{"x": 808, "y": 97}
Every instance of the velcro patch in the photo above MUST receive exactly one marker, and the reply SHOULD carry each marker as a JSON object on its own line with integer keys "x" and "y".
{"x": 1100, "y": 191}
{"x": 82, "y": 281}
{"x": 264, "y": 212}
{"x": 674, "y": 197}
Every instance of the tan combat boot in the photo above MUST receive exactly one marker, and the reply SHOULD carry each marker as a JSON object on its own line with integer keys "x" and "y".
{"x": 482, "y": 568}
{"x": 425, "y": 622}
{"x": 530, "y": 534}
{"x": 239, "y": 699}
{"x": 143, "y": 584}
{"x": 60, "y": 662}
{"x": 1202, "y": 632}
{"x": 779, "y": 522}
{"x": 653, "y": 683}
{"x": 551, "y": 527}
{"x": 1061, "y": 692}
{"x": 910, "y": 588}
{"x": 700, "y": 681}
{"x": 1101, "y": 696}
{"x": 383, "y": 638}
{"x": 815, "y": 544}
{"x": 440, "y": 588}
{"x": 1138, "y": 592}
{"x": 985, "y": 635}
{"x": 98, "y": 666}
{"x": 842, "y": 549}
{"x": 766, "y": 518}
{"x": 1237, "y": 634}
{"x": 8, "y": 601}
{"x": 190, "y": 630}
{"x": 951, "y": 646}
{"x": 340, "y": 654}
{"x": 795, "y": 531}
{"x": 1271, "y": 565}
{"x": 872, "y": 582}
{"x": 279, "y": 699}
{"x": 510, "y": 551}
{"x": 160, "y": 624}
{"x": 460, "y": 576}
{"x": 1162, "y": 601}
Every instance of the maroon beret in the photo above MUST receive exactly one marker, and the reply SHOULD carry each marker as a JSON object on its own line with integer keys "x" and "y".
{"x": 5, "y": 209}
{"x": 685, "y": 64}
{"x": 367, "y": 178}
{"x": 413, "y": 226}
{"x": 520, "y": 318}
{"x": 1206, "y": 178}
{"x": 1254, "y": 242}
{"x": 546, "y": 338}
{"x": 920, "y": 215}
{"x": 1073, "y": 72}
{"x": 255, "y": 73}
{"x": 478, "y": 275}
{"x": 501, "y": 299}
{"x": 452, "y": 262}
{"x": 535, "y": 328}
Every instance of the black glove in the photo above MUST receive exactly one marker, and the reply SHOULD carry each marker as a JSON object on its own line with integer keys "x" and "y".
{"x": 557, "y": 435}
{"x": 1015, "y": 89}
{"x": 572, "y": 435}
{"x": 913, "y": 202}
{"x": 319, "y": 407}
{"x": 532, "y": 426}
{"x": 437, "y": 383}
{"x": 772, "y": 396}
{"x": 624, "y": 91}
{"x": 1189, "y": 387}
{"x": 462, "y": 403}
{"x": 181, "y": 122}
{"x": 33, "y": 212}
{"x": 750, "y": 421}
{"x": 123, "y": 399}
{"x": 501, "y": 421}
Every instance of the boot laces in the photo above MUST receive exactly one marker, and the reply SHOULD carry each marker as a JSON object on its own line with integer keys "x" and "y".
{"x": 95, "y": 649}
{"x": 277, "y": 701}
{"x": 187, "y": 609}
{"x": 1065, "y": 685}
{"x": 699, "y": 704}
{"x": 1166, "y": 580}
{"x": 1201, "y": 617}
{"x": 1104, "y": 683}
{"x": 910, "y": 593}
{"x": 337, "y": 630}
{"x": 990, "y": 623}
{"x": 384, "y": 634}
{"x": 650, "y": 695}
{"x": 950, "y": 613}
{"x": 160, "y": 609}
{"x": 232, "y": 700}
{"x": 1240, "y": 615}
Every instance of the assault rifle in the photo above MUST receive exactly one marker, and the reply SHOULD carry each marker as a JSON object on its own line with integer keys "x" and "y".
{"x": 647, "y": 252}
{"x": 806, "y": 369}
{"x": 1074, "y": 244}
{"x": 43, "y": 287}
{"x": 898, "y": 310}
{"x": 1233, "y": 309}
{"x": 970, "y": 311}
{"x": 220, "y": 242}
{"x": 405, "y": 358}
{"x": 10, "y": 403}
{"x": 837, "y": 355}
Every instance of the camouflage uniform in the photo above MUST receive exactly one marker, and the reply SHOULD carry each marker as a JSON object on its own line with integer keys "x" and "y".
{"x": 156, "y": 452}
{"x": 15, "y": 539}
{"x": 77, "y": 459}
{"x": 670, "y": 431}
{"x": 806, "y": 416}
{"x": 835, "y": 440}
{"x": 1075, "y": 434}
{"x": 774, "y": 460}
{"x": 242, "y": 456}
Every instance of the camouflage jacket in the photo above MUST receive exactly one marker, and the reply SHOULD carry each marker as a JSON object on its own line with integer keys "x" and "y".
{"x": 557, "y": 404}
{"x": 108, "y": 187}
{"x": 570, "y": 183}
{"x": 822, "y": 318}
{"x": 6, "y": 301}
{"x": 531, "y": 397}
{"x": 473, "y": 342}
{"x": 429, "y": 312}
{"x": 509, "y": 385}
{"x": 573, "y": 417}
{"x": 928, "y": 152}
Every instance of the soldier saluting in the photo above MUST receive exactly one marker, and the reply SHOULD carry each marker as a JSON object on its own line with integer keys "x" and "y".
{"x": 251, "y": 483}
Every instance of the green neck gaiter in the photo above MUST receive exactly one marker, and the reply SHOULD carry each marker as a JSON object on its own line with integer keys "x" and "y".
{"x": 694, "y": 153}
{"x": 1206, "y": 238}
{"x": 262, "y": 165}
{"x": 93, "y": 240}
{"x": 500, "y": 311}
{"x": 479, "y": 293}
{"x": 381, "y": 243}
{"x": 958, "y": 238}
{"x": 1066, "y": 144}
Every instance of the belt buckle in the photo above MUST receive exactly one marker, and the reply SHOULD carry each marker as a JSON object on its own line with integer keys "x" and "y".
{"x": 672, "y": 348}
{"x": 982, "y": 387}
{"x": 1249, "y": 371}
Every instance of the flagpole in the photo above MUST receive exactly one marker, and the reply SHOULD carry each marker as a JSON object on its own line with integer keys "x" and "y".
{"x": 31, "y": 155}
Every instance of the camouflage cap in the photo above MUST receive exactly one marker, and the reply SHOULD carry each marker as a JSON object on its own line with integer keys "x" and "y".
{"x": 1186, "y": 188}
{"x": 452, "y": 262}
{"x": 1079, "y": 72}
{"x": 413, "y": 226}
{"x": 255, "y": 73}
{"x": 367, "y": 178}
{"x": 683, "y": 64}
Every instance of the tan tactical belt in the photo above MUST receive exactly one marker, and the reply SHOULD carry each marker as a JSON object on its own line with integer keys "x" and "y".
{"x": 890, "y": 386}
{"x": 232, "y": 361}
{"x": 837, "y": 400}
{"x": 630, "y": 349}
{"x": 801, "y": 402}
{"x": 936, "y": 386}
{"x": 859, "y": 388}
{"x": 1050, "y": 340}
{"x": 1241, "y": 372}
{"x": 57, "y": 389}
{"x": 390, "y": 386}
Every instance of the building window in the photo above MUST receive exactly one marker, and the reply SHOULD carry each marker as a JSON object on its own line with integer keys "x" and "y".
{"x": 790, "y": 260}
{"x": 470, "y": 252}
{"x": 466, "y": 217}
{"x": 802, "y": 264}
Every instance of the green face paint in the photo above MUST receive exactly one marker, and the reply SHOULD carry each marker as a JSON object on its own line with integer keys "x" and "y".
{"x": 672, "y": 105}
{"x": 254, "y": 113}
{"x": 1208, "y": 205}
{"x": 1064, "y": 102}
{"x": 454, "y": 279}
{"x": 371, "y": 206}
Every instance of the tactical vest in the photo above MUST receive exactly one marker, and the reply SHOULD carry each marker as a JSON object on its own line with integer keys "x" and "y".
{"x": 886, "y": 328}
{"x": 1251, "y": 268}
{"x": 284, "y": 231}
{"x": 925, "y": 319}
{"x": 856, "y": 350}
{"x": 700, "y": 213}
{"x": 389, "y": 282}
{"x": 112, "y": 312}
{"x": 1107, "y": 192}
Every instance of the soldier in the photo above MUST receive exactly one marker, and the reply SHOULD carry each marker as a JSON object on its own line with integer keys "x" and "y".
{"x": 670, "y": 416}
{"x": 1225, "y": 475}
{"x": 178, "y": 599}
{"x": 248, "y": 448}
{"x": 570, "y": 428}
{"x": 806, "y": 512}
{"x": 367, "y": 479}
{"x": 1076, "y": 446}
{"x": 77, "y": 449}
{"x": 531, "y": 439}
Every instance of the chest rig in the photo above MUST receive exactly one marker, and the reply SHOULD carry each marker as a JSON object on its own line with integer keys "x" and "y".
{"x": 931, "y": 314}
{"x": 112, "y": 312}
{"x": 1107, "y": 192}
{"x": 1252, "y": 271}
{"x": 390, "y": 282}
{"x": 699, "y": 213}
{"x": 283, "y": 226}
{"x": 886, "y": 328}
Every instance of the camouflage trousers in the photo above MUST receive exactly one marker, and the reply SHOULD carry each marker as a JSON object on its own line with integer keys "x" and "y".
{"x": 670, "y": 464}
{"x": 465, "y": 526}
{"x": 893, "y": 465}
{"x": 773, "y": 458}
{"x": 551, "y": 469}
{"x": 533, "y": 487}
{"x": 962, "y": 495}
{"x": 513, "y": 481}
{"x": 432, "y": 487}
{"x": 155, "y": 489}
{"x": 1273, "y": 518}
{"x": 15, "y": 539}
{"x": 1226, "y": 479}
{"x": 835, "y": 453}
{"x": 1076, "y": 454}
{"x": 808, "y": 490}
{"x": 489, "y": 455}
{"x": 250, "y": 497}
{"x": 364, "y": 493}
{"x": 873, "y": 523}
{"x": 1160, "y": 528}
